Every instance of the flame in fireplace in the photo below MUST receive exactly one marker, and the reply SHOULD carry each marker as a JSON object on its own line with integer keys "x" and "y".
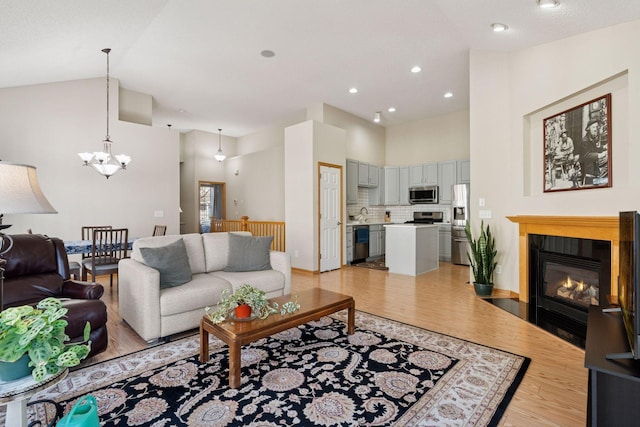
{"x": 569, "y": 284}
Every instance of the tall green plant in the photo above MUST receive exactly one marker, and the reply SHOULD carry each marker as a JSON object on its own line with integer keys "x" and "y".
{"x": 483, "y": 254}
{"x": 40, "y": 332}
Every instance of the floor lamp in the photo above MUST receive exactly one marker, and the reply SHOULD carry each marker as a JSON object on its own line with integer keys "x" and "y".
{"x": 20, "y": 193}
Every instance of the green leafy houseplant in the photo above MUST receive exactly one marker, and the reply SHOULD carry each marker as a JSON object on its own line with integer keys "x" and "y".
{"x": 255, "y": 298}
{"x": 483, "y": 255}
{"x": 40, "y": 332}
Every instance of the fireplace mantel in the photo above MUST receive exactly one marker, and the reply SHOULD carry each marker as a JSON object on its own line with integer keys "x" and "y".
{"x": 581, "y": 227}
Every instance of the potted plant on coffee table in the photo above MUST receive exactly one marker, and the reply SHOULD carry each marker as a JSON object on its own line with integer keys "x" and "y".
{"x": 483, "y": 259}
{"x": 34, "y": 338}
{"x": 247, "y": 303}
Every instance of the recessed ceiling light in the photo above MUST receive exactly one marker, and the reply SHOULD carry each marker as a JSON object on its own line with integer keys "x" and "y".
{"x": 268, "y": 53}
{"x": 376, "y": 118}
{"x": 416, "y": 69}
{"x": 182, "y": 110}
{"x": 391, "y": 109}
{"x": 448, "y": 95}
{"x": 548, "y": 4}
{"x": 498, "y": 28}
{"x": 353, "y": 90}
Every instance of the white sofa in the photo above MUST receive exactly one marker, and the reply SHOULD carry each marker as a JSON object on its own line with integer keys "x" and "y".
{"x": 157, "y": 313}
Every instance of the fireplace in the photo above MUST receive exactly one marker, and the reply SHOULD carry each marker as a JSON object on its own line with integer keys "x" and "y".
{"x": 567, "y": 263}
{"x": 567, "y": 275}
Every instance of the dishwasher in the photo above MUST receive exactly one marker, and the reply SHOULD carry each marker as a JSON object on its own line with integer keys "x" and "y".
{"x": 360, "y": 243}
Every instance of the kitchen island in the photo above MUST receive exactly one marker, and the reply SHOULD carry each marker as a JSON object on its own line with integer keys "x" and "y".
{"x": 412, "y": 249}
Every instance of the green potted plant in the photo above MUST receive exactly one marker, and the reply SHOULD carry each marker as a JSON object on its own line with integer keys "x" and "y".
{"x": 35, "y": 337}
{"x": 483, "y": 259}
{"x": 246, "y": 302}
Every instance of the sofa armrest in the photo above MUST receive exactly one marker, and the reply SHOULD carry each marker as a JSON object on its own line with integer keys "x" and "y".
{"x": 281, "y": 261}
{"x": 139, "y": 297}
{"x": 82, "y": 290}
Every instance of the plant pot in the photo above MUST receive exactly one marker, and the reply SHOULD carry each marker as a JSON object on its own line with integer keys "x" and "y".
{"x": 483, "y": 289}
{"x": 243, "y": 311}
{"x": 10, "y": 371}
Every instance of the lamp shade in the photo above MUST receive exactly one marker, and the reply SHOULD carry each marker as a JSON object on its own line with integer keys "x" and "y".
{"x": 20, "y": 191}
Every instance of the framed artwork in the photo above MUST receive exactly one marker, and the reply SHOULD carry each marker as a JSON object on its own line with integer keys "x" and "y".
{"x": 577, "y": 147}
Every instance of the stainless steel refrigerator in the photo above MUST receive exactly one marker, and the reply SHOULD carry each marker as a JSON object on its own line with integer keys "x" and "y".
{"x": 459, "y": 218}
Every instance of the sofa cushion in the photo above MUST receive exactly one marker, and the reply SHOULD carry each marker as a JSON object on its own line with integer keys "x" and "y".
{"x": 216, "y": 250}
{"x": 248, "y": 253}
{"x": 266, "y": 280}
{"x": 192, "y": 242}
{"x": 171, "y": 261}
{"x": 203, "y": 290}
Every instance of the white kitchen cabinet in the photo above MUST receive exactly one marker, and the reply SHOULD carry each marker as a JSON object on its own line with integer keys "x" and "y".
{"x": 424, "y": 174}
{"x": 392, "y": 185}
{"x": 349, "y": 245}
{"x": 376, "y": 241}
{"x": 376, "y": 194}
{"x": 444, "y": 240}
{"x": 464, "y": 172}
{"x": 446, "y": 179}
{"x": 403, "y": 184}
{"x": 367, "y": 175}
{"x": 352, "y": 182}
{"x": 373, "y": 176}
{"x": 363, "y": 174}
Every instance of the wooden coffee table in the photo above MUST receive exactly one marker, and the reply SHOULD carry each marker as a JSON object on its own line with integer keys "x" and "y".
{"x": 314, "y": 303}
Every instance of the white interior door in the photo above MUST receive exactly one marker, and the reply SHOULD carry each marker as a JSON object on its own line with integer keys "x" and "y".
{"x": 329, "y": 218}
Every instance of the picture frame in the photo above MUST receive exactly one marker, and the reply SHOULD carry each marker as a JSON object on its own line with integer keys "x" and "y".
{"x": 577, "y": 147}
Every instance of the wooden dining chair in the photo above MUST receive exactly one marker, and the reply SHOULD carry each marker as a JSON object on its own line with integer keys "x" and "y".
{"x": 159, "y": 230}
{"x": 108, "y": 247}
{"x": 87, "y": 234}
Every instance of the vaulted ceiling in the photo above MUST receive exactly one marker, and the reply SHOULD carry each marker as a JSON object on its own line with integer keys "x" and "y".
{"x": 202, "y": 61}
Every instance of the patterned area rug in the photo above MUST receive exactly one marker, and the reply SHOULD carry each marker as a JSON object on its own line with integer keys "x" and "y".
{"x": 387, "y": 373}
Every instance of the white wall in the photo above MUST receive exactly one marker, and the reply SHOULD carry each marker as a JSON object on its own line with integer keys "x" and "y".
{"x": 257, "y": 190}
{"x": 135, "y": 107}
{"x": 365, "y": 140}
{"x": 299, "y": 196}
{"x": 433, "y": 139}
{"x": 306, "y": 145}
{"x": 47, "y": 125}
{"x": 512, "y": 93}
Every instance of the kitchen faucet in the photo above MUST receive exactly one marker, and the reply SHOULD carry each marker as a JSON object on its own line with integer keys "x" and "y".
{"x": 365, "y": 210}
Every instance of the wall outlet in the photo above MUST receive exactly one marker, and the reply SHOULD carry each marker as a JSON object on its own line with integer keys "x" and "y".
{"x": 296, "y": 254}
{"x": 158, "y": 214}
{"x": 498, "y": 269}
{"x": 484, "y": 214}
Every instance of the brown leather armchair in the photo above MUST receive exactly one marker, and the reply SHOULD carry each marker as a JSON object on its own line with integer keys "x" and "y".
{"x": 37, "y": 267}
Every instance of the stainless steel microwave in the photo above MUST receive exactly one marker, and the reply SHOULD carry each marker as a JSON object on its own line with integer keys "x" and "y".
{"x": 423, "y": 194}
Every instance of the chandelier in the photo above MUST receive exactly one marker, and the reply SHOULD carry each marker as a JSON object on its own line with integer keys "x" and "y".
{"x": 220, "y": 155}
{"x": 104, "y": 162}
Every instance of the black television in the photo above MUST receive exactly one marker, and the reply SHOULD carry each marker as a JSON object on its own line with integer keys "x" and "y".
{"x": 629, "y": 282}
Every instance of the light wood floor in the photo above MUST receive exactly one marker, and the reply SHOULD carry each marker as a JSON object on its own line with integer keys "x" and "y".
{"x": 554, "y": 390}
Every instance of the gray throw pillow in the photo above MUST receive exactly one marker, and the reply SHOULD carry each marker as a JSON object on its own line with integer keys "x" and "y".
{"x": 171, "y": 261}
{"x": 248, "y": 253}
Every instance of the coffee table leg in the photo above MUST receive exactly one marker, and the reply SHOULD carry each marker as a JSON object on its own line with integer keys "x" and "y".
{"x": 234, "y": 365}
{"x": 204, "y": 344}
{"x": 351, "y": 322}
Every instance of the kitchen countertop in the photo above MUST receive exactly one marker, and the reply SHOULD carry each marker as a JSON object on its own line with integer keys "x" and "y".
{"x": 352, "y": 223}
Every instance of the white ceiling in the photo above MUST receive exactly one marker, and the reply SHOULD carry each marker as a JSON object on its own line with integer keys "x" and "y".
{"x": 203, "y": 56}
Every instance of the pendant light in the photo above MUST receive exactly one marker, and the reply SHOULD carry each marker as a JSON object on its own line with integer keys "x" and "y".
{"x": 104, "y": 162}
{"x": 220, "y": 155}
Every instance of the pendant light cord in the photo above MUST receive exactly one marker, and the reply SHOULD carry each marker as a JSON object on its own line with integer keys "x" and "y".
{"x": 107, "y": 138}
